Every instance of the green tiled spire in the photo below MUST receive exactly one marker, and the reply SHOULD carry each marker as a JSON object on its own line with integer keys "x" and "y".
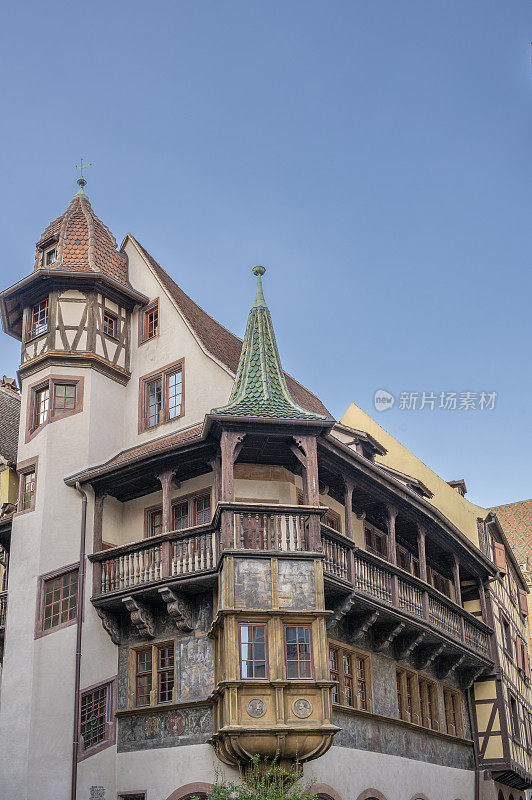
{"x": 260, "y": 388}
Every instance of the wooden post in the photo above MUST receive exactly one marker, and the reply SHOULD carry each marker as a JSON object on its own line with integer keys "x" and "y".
{"x": 456, "y": 578}
{"x": 482, "y": 598}
{"x": 392, "y": 553}
{"x": 311, "y": 491}
{"x": 97, "y": 540}
{"x": 348, "y": 507}
{"x": 230, "y": 445}
{"x": 215, "y": 465}
{"x": 422, "y": 556}
{"x": 165, "y": 479}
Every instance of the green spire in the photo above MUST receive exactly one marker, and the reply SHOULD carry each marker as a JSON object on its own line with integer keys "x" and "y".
{"x": 260, "y": 388}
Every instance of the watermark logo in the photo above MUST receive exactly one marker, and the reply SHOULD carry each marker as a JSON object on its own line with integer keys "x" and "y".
{"x": 383, "y": 400}
{"x": 436, "y": 401}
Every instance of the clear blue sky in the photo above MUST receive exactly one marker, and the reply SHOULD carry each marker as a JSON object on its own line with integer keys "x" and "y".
{"x": 375, "y": 156}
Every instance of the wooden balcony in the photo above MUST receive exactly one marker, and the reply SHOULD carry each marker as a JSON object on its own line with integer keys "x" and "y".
{"x": 188, "y": 560}
{"x": 386, "y": 586}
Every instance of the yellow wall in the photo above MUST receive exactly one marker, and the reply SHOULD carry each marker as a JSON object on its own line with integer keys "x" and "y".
{"x": 8, "y": 485}
{"x": 447, "y": 500}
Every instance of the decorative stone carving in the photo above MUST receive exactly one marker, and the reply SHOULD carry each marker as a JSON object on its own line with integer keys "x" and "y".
{"x": 178, "y": 607}
{"x": 404, "y": 645}
{"x": 447, "y": 664}
{"x": 141, "y": 617}
{"x": 361, "y": 625}
{"x": 110, "y": 624}
{"x": 382, "y": 638}
{"x": 426, "y": 654}
{"x": 256, "y": 707}
{"x": 302, "y": 708}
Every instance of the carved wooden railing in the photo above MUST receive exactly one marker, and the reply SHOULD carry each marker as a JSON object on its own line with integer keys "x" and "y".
{"x": 283, "y": 530}
{"x": 3, "y": 609}
{"x": 172, "y": 554}
{"x": 385, "y": 583}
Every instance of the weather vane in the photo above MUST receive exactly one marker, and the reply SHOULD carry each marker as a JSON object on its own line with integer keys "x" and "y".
{"x": 81, "y": 180}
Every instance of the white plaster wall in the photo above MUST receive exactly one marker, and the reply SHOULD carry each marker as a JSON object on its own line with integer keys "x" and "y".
{"x": 350, "y": 772}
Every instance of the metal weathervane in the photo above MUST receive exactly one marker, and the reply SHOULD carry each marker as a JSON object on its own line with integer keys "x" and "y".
{"x": 81, "y": 180}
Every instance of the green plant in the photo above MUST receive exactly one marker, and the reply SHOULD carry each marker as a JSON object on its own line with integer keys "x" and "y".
{"x": 264, "y": 779}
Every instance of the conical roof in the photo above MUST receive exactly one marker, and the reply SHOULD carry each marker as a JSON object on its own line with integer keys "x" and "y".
{"x": 260, "y": 388}
{"x": 82, "y": 243}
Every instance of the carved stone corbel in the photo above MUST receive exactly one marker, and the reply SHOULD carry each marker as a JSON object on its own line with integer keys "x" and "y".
{"x": 383, "y": 638}
{"x": 178, "y": 607}
{"x": 361, "y": 625}
{"x": 343, "y": 608}
{"x": 467, "y": 677}
{"x": 447, "y": 664}
{"x": 141, "y": 617}
{"x": 404, "y": 645}
{"x": 425, "y": 655}
{"x": 110, "y": 624}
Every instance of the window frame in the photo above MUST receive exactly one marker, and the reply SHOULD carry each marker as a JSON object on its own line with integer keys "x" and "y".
{"x": 507, "y": 640}
{"x": 143, "y": 314}
{"x": 154, "y": 647}
{"x": 412, "y": 706}
{"x": 42, "y": 580}
{"x": 161, "y": 375}
{"x": 515, "y": 720}
{"x": 342, "y": 650}
{"x": 190, "y": 500}
{"x": 111, "y": 703}
{"x": 114, "y": 318}
{"x": 50, "y": 383}
{"x": 47, "y": 253}
{"x": 374, "y": 534}
{"x": 32, "y": 328}
{"x": 307, "y": 625}
{"x": 254, "y": 624}
{"x": 456, "y": 697}
{"x": 25, "y": 468}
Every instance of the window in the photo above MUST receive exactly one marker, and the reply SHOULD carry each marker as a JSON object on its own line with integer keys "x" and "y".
{"x": 528, "y": 731}
{"x": 506, "y": 636}
{"x": 351, "y": 671}
{"x": 514, "y": 717}
{"x": 64, "y": 398}
{"x": 149, "y": 322}
{"x": 96, "y": 718}
{"x": 154, "y": 674}
{"x": 180, "y": 516}
{"x": 440, "y": 583}
{"x": 417, "y": 698}
{"x": 453, "y": 712}
{"x": 155, "y": 522}
{"x": 376, "y": 542}
{"x": 298, "y": 651}
{"x": 202, "y": 510}
{"x": 39, "y": 318}
{"x": 27, "y": 490}
{"x": 53, "y": 399}
{"x": 332, "y": 520}
{"x": 253, "y": 651}
{"x": 58, "y": 600}
{"x": 110, "y": 324}
{"x": 403, "y": 558}
{"x": 161, "y": 395}
{"x": 50, "y": 256}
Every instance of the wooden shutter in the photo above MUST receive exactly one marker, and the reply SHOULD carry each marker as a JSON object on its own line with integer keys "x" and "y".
{"x": 500, "y": 557}
{"x": 518, "y": 652}
{"x": 523, "y": 602}
{"x": 527, "y": 662}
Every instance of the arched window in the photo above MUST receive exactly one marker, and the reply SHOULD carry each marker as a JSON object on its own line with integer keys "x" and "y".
{"x": 500, "y": 796}
{"x": 198, "y": 790}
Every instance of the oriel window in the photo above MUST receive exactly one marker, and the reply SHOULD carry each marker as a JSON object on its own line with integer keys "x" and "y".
{"x": 298, "y": 653}
{"x": 42, "y": 401}
{"x": 110, "y": 324}
{"x": 253, "y": 651}
{"x": 39, "y": 318}
{"x": 64, "y": 398}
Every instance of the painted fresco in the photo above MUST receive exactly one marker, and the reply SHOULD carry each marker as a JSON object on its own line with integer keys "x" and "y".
{"x": 296, "y": 584}
{"x": 195, "y": 668}
{"x": 172, "y": 728}
{"x": 253, "y": 583}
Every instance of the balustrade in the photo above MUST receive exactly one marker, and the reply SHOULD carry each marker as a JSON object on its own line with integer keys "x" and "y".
{"x": 283, "y": 531}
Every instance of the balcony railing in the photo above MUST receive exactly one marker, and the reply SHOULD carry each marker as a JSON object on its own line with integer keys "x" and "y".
{"x": 3, "y": 609}
{"x": 389, "y": 585}
{"x": 283, "y": 529}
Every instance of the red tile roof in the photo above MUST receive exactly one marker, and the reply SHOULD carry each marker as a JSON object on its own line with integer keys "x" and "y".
{"x": 84, "y": 243}
{"x": 220, "y": 342}
{"x": 516, "y": 521}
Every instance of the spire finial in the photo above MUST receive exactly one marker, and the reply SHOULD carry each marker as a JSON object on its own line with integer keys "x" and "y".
{"x": 81, "y": 180}
{"x": 259, "y": 271}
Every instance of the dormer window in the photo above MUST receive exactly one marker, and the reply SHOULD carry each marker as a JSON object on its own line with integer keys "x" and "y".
{"x": 39, "y": 318}
{"x": 50, "y": 256}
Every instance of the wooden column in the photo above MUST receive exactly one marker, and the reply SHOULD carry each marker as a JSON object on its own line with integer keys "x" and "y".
{"x": 165, "y": 479}
{"x": 230, "y": 446}
{"x": 392, "y": 516}
{"x": 422, "y": 556}
{"x": 97, "y": 540}
{"x": 348, "y": 507}
{"x": 482, "y": 598}
{"x": 456, "y": 578}
{"x": 311, "y": 491}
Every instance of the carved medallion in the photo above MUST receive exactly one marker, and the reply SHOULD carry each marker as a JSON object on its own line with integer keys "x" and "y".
{"x": 176, "y": 723}
{"x": 256, "y": 707}
{"x": 302, "y": 708}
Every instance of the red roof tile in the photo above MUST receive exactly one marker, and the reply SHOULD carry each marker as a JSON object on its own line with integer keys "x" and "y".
{"x": 516, "y": 521}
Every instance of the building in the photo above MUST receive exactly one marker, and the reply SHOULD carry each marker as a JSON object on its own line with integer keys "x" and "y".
{"x": 9, "y": 422}
{"x": 204, "y": 565}
{"x": 515, "y": 520}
